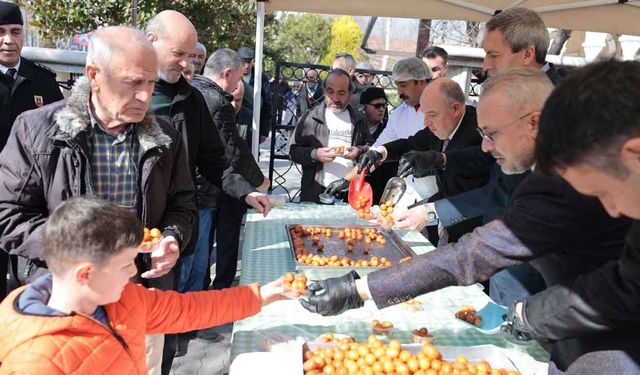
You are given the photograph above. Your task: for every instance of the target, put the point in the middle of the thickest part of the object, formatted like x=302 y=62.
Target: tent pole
x=257 y=85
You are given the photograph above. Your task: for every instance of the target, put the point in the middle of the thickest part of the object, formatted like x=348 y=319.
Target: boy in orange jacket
x=87 y=316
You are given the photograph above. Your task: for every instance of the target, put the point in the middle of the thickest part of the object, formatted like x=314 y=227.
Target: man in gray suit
x=564 y=235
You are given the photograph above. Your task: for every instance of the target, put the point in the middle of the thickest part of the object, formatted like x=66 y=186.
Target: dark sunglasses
x=378 y=106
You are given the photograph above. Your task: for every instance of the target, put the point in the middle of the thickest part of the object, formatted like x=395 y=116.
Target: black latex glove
x=337 y=187
x=333 y=296
x=368 y=160
x=420 y=163
x=514 y=326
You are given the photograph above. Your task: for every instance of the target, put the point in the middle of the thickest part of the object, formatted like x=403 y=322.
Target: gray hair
x=200 y=46
x=222 y=59
x=410 y=69
x=103 y=44
x=155 y=26
x=364 y=65
x=524 y=88
x=349 y=60
x=451 y=91
x=521 y=28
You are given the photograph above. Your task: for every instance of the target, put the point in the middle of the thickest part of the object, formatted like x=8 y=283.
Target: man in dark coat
x=449 y=125
x=311 y=93
x=24 y=85
x=569 y=237
x=248 y=80
x=324 y=129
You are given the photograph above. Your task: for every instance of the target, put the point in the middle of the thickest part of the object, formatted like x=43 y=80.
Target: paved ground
x=212 y=358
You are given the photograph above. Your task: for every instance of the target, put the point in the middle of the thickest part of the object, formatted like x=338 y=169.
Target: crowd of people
x=533 y=191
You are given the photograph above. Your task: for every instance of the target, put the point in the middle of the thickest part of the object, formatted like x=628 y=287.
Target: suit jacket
x=34 y=87
x=578 y=248
x=451 y=180
x=489 y=202
x=305 y=102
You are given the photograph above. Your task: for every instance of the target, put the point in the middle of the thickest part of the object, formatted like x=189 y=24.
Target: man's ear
x=91 y=71
x=533 y=124
x=529 y=55
x=152 y=37
x=83 y=272
x=630 y=154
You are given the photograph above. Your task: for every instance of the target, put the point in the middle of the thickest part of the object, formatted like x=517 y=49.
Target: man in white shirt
x=323 y=131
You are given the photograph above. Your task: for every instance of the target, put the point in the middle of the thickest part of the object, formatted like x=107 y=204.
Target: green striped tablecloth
x=266 y=256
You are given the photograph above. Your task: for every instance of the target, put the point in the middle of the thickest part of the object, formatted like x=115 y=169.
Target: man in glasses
x=311 y=92
x=566 y=235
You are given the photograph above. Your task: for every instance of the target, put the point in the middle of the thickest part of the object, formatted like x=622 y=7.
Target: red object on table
x=360 y=188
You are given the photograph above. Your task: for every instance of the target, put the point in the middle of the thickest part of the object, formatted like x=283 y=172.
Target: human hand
x=515 y=323
x=273 y=291
x=336 y=187
x=352 y=152
x=259 y=201
x=163 y=258
x=420 y=163
x=412 y=219
x=333 y=296
x=325 y=154
x=368 y=160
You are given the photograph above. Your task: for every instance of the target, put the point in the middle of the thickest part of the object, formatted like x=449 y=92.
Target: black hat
x=10 y=14
x=246 y=53
x=372 y=93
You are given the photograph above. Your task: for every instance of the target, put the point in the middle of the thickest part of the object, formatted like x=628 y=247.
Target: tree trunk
x=424 y=33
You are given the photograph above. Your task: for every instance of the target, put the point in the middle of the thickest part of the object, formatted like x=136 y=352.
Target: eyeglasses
x=378 y=106
x=490 y=136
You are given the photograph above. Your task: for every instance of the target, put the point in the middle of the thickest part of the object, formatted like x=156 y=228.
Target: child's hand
x=272 y=291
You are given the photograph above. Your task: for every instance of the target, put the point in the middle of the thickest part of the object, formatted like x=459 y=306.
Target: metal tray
x=394 y=249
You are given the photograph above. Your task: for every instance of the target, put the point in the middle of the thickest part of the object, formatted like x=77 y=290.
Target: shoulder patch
x=44 y=68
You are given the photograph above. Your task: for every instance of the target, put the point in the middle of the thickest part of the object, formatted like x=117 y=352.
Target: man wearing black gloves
x=565 y=235
x=449 y=125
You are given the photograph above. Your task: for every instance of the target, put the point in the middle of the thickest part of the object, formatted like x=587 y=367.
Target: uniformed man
x=24 y=85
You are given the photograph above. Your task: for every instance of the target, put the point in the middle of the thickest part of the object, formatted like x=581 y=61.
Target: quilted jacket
x=79 y=344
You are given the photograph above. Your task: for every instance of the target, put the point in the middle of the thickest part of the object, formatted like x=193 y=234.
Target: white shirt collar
x=458 y=126
x=3 y=69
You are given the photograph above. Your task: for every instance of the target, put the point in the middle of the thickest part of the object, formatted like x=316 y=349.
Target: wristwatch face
x=431 y=216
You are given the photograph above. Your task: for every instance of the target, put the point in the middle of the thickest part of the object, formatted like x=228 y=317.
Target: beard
x=166 y=75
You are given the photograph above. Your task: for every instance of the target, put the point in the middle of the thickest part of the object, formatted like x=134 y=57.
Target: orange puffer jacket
x=79 y=344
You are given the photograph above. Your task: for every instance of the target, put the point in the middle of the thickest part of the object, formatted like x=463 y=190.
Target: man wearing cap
x=248 y=79
x=322 y=131
x=24 y=85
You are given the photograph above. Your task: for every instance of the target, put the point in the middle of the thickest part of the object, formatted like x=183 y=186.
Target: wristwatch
x=432 y=217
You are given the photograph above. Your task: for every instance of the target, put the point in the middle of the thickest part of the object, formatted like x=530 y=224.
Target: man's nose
x=487 y=145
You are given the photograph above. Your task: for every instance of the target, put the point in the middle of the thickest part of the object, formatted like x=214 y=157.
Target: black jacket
x=311 y=133
x=34 y=87
x=576 y=246
x=305 y=102
x=266 y=95
x=244 y=120
x=52 y=140
x=450 y=180
x=236 y=151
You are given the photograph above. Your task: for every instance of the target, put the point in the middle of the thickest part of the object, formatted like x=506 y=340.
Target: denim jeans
x=195 y=266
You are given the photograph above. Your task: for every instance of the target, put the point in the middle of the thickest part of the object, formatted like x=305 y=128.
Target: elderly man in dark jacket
x=103 y=142
x=324 y=129
x=568 y=237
